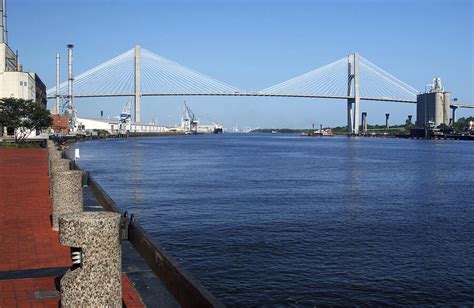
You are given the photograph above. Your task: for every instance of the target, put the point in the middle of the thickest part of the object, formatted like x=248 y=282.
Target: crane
x=189 y=122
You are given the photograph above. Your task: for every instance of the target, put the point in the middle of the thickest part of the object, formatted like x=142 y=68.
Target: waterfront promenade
x=31 y=257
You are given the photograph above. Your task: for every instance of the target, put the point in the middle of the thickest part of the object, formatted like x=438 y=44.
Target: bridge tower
x=137 y=106
x=353 y=103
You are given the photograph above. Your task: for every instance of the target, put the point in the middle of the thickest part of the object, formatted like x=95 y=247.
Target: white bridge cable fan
x=159 y=76
x=329 y=80
x=115 y=76
x=374 y=82
x=332 y=81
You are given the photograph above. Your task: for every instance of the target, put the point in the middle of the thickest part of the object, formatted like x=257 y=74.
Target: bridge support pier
x=364 y=122
x=350 y=102
x=453 y=120
x=353 y=104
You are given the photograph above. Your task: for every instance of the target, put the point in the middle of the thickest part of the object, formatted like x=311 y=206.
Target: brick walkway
x=42 y=292
x=26 y=238
x=27 y=241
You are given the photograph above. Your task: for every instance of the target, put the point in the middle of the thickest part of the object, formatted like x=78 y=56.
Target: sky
x=252 y=45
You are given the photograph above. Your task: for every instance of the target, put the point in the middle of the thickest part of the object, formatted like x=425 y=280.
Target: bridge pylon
x=353 y=103
x=137 y=106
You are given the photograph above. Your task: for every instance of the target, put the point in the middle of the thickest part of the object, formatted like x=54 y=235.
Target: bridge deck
x=383 y=99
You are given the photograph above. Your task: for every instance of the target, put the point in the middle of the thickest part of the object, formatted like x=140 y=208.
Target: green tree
x=462 y=124
x=25 y=116
x=444 y=128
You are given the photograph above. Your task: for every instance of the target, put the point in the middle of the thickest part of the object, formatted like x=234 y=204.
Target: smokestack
x=2 y=28
x=4 y=36
x=58 y=61
x=69 y=69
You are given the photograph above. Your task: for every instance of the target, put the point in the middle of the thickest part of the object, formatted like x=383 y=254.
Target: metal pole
x=356 y=94
x=58 y=61
x=349 y=91
x=137 y=84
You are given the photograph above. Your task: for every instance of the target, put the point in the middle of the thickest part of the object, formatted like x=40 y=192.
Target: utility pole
x=137 y=84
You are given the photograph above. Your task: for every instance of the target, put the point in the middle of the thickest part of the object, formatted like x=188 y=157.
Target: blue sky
x=253 y=45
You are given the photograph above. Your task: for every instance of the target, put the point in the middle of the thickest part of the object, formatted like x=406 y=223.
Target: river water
x=282 y=220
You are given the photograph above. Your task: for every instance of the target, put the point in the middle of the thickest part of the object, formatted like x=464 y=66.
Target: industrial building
x=13 y=81
x=113 y=126
x=433 y=106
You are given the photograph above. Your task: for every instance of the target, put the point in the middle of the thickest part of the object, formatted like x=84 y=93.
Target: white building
x=148 y=128
x=16 y=83
x=112 y=126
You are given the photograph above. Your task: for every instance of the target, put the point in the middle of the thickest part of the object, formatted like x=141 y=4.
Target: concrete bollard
x=57 y=165
x=67 y=194
x=95 y=280
x=53 y=154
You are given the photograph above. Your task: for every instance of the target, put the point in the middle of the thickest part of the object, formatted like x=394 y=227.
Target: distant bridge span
x=383 y=99
x=139 y=72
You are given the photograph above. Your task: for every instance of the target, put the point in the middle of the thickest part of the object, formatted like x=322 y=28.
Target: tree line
x=24 y=117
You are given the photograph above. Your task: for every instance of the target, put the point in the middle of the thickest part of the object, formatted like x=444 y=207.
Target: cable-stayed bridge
x=140 y=72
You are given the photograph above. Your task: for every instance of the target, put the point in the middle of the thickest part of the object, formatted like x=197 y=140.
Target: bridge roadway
x=383 y=99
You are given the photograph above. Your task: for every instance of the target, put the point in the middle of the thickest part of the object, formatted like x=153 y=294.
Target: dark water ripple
x=291 y=221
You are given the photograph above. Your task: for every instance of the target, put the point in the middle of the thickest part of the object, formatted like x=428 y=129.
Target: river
x=283 y=220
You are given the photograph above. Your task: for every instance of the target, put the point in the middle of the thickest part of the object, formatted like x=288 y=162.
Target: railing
x=185 y=289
